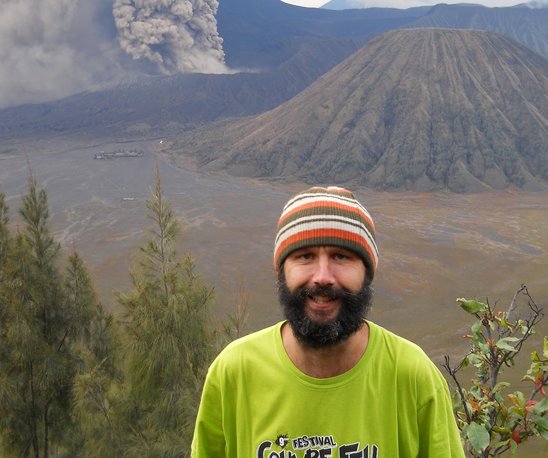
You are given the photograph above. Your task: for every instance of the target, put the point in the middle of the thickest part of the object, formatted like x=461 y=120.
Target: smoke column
x=33 y=50
x=53 y=48
x=178 y=35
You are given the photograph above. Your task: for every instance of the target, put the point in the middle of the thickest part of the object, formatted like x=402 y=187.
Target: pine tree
x=169 y=342
x=45 y=324
x=99 y=376
x=36 y=367
x=4 y=250
x=83 y=310
x=4 y=233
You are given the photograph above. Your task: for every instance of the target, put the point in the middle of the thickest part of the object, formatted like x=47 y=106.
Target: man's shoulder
x=396 y=350
x=383 y=336
x=259 y=337
x=252 y=347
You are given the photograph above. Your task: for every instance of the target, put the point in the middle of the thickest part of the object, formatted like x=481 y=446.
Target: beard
x=353 y=311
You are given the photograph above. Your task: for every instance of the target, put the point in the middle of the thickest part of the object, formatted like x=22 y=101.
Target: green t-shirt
x=257 y=404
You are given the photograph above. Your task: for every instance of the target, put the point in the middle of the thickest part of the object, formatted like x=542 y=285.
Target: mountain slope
x=525 y=23
x=255 y=32
x=413 y=109
x=162 y=105
x=280 y=47
x=528 y=26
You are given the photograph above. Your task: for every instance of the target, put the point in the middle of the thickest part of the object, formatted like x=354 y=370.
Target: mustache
x=327 y=290
x=353 y=301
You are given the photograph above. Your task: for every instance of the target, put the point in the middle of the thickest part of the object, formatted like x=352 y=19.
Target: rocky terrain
x=418 y=109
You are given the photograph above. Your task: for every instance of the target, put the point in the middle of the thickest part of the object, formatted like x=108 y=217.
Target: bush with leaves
x=492 y=422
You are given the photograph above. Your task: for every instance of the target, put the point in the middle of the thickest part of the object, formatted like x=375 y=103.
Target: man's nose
x=323 y=274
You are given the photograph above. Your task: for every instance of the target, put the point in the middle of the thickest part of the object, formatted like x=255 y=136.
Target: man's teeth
x=322 y=299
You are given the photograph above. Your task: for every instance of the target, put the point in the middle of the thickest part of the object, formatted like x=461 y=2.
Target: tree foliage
x=4 y=233
x=493 y=421
x=169 y=344
x=75 y=381
x=97 y=343
x=46 y=321
x=147 y=406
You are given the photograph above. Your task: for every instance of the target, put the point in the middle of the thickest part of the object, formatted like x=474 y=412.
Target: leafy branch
x=491 y=422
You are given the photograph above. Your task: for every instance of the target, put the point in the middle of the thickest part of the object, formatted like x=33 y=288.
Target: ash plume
x=178 y=35
x=39 y=60
x=51 y=49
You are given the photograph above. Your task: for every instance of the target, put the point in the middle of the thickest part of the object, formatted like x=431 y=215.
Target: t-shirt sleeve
x=209 y=439
x=439 y=435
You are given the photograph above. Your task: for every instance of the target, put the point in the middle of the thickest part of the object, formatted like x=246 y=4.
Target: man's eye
x=302 y=255
x=340 y=256
x=344 y=256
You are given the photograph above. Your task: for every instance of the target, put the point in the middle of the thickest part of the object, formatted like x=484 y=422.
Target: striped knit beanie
x=326 y=216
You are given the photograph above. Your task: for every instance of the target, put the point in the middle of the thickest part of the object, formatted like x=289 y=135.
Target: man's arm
x=209 y=439
x=439 y=435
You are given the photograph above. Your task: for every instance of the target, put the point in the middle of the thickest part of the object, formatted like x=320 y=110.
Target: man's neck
x=328 y=361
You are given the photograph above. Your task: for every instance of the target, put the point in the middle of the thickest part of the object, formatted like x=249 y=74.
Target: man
x=325 y=383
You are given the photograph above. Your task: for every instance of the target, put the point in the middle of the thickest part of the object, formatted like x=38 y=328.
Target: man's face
x=323 y=295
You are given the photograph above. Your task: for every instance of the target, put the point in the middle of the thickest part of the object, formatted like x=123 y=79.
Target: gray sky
x=408 y=3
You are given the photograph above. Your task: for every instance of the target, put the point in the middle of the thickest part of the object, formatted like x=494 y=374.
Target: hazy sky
x=408 y=3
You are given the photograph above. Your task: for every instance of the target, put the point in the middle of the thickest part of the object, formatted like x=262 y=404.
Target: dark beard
x=353 y=311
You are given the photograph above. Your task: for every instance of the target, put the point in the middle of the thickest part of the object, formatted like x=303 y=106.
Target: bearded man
x=325 y=382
